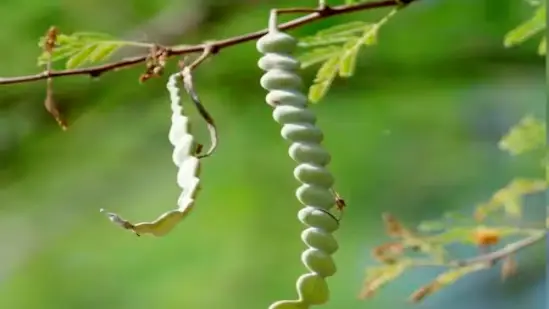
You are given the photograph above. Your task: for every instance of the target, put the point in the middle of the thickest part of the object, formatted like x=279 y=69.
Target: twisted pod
x=315 y=193
x=184 y=157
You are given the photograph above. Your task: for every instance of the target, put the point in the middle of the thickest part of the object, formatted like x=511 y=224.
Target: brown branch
x=495 y=256
x=208 y=51
x=491 y=258
x=320 y=13
x=460 y=268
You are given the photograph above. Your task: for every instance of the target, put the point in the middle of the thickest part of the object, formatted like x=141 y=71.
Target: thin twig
x=495 y=256
x=297 y=10
x=481 y=262
x=208 y=51
x=491 y=258
x=216 y=46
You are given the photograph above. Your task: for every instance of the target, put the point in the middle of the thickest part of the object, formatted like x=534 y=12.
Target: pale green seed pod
x=298 y=126
x=187 y=176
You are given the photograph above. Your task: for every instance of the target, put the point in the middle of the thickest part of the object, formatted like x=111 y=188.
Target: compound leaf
x=348 y=59
x=80 y=56
x=323 y=79
x=81 y=48
x=337 y=49
x=318 y=55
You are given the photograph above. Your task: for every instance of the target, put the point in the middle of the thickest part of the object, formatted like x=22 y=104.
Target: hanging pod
x=284 y=84
x=187 y=161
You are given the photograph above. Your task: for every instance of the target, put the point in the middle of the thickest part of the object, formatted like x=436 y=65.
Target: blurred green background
x=414 y=132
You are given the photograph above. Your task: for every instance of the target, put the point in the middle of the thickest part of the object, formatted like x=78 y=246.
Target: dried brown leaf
x=393 y=227
x=388 y=253
x=51 y=38
x=424 y=291
x=53 y=109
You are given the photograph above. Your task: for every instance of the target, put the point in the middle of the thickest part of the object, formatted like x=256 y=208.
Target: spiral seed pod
x=298 y=126
x=184 y=157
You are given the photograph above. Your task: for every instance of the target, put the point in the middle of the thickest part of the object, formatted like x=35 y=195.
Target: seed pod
x=298 y=127
x=184 y=157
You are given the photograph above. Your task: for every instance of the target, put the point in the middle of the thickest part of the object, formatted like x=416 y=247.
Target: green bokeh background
x=414 y=133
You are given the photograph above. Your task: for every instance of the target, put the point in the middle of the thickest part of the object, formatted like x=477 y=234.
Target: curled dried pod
x=184 y=157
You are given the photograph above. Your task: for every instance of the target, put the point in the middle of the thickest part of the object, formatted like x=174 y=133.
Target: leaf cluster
x=336 y=49
x=427 y=245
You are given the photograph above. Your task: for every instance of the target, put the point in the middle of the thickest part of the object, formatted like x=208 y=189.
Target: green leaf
x=338 y=34
x=513 y=207
x=103 y=52
x=323 y=41
x=318 y=55
x=527 y=29
x=336 y=59
x=324 y=79
x=369 y=37
x=453 y=235
x=59 y=53
x=348 y=59
x=509 y=197
x=431 y=226
x=349 y=28
x=64 y=39
x=82 y=48
x=456 y=217
x=341 y=53
x=80 y=57
x=529 y=134
x=542 y=48
x=91 y=36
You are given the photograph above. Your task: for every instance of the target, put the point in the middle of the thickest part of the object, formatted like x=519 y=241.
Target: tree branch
x=490 y=258
x=493 y=257
x=214 y=46
x=481 y=262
